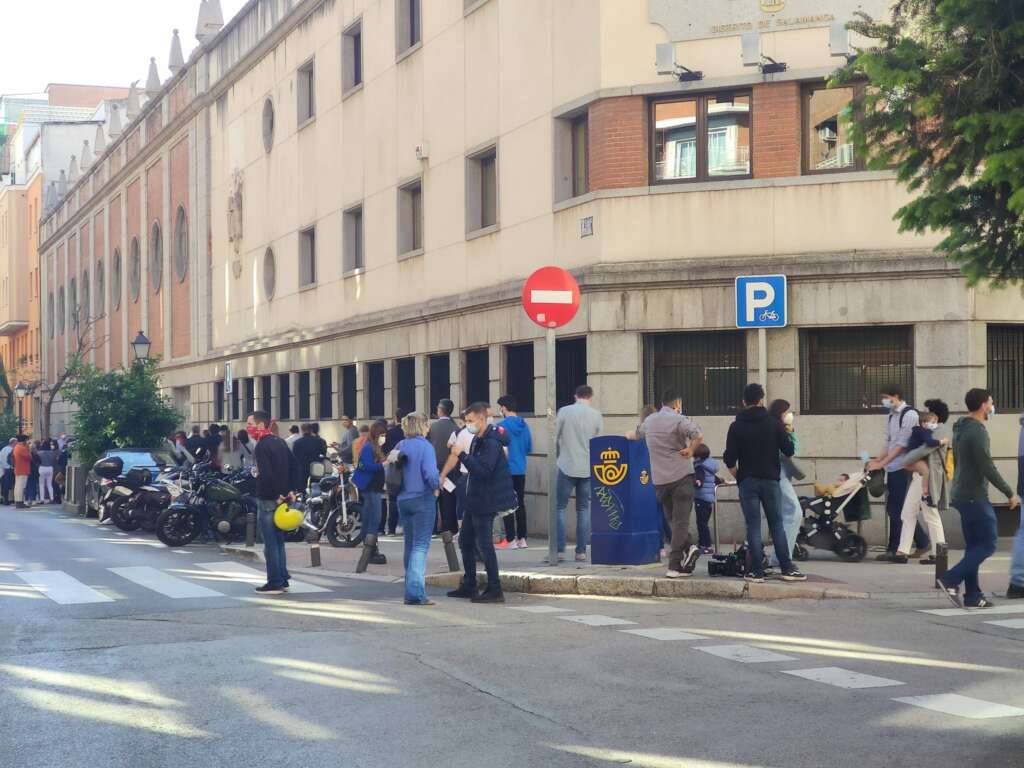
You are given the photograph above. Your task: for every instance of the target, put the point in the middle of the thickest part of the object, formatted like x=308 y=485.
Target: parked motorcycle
x=332 y=506
x=119 y=491
x=215 y=504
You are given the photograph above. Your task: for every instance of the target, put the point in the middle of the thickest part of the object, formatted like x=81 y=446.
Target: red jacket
x=22 y=460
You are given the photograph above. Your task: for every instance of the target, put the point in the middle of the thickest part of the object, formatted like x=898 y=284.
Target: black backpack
x=903 y=414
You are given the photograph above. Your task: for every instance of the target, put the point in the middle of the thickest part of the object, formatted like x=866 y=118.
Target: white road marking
x=550 y=297
x=541 y=609
x=1011 y=623
x=244 y=573
x=962 y=706
x=164 y=583
x=842 y=678
x=181 y=551
x=972 y=612
x=62 y=588
x=120 y=533
x=596 y=620
x=746 y=654
x=663 y=633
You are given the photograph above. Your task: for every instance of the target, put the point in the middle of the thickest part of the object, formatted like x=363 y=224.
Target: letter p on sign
x=761 y=301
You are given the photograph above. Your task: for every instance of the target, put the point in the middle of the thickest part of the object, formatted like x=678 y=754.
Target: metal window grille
x=325 y=394
x=284 y=395
x=707 y=369
x=570 y=369
x=218 y=401
x=519 y=375
x=348 y=391
x=843 y=370
x=303 y=409
x=478 y=376
x=405 y=384
x=375 y=389
x=265 y=393
x=236 y=401
x=1006 y=365
x=250 y=396
x=440 y=378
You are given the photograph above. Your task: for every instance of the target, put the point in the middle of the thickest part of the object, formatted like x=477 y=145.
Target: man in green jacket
x=973 y=472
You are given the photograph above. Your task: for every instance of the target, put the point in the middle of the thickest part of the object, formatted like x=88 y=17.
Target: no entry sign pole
x=551 y=298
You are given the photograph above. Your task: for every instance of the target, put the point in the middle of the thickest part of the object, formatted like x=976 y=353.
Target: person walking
x=369 y=479
x=47 y=460
x=489 y=491
x=7 y=466
x=293 y=435
x=575 y=426
x=22 y=456
x=791 y=510
x=417 y=504
x=520 y=444
x=671 y=439
x=349 y=434
x=752 y=448
x=928 y=493
x=439 y=435
x=899 y=427
x=277 y=473
x=1016 y=589
x=972 y=473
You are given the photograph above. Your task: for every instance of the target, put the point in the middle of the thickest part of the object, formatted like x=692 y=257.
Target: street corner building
x=330 y=208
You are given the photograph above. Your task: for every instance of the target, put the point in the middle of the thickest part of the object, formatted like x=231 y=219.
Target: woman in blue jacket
x=417 y=504
x=369 y=479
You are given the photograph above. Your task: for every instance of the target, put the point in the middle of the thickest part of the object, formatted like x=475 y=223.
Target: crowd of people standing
x=33 y=471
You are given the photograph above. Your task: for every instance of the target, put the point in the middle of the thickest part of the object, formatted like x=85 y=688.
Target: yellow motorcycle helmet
x=288 y=518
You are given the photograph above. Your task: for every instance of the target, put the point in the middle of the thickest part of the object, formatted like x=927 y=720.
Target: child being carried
x=922 y=435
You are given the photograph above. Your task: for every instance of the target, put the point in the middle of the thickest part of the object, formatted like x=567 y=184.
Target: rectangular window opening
x=353 y=257
x=303 y=395
x=408 y=20
x=519 y=376
x=570 y=369
x=580 y=163
x=307 y=257
x=708 y=370
x=701 y=137
x=375 y=390
x=306 y=91
x=325 y=393
x=352 y=56
x=477 y=376
x=1006 y=366
x=410 y=217
x=266 y=394
x=218 y=401
x=405 y=384
x=827 y=144
x=349 y=390
x=440 y=375
x=284 y=396
x=482 y=190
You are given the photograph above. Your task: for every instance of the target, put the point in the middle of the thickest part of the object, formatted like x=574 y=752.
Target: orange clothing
x=357 y=448
x=22 y=460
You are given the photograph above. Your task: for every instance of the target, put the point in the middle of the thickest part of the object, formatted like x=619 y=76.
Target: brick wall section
x=618 y=138
x=776 y=117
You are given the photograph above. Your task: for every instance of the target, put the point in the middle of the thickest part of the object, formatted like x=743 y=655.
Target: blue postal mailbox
x=625 y=527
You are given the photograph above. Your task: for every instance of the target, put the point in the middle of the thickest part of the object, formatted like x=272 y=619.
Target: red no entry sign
x=551 y=297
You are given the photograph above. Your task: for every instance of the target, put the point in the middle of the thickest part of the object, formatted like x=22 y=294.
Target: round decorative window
x=156 y=257
x=268 y=125
x=49 y=315
x=115 y=281
x=134 y=271
x=61 y=310
x=269 y=273
x=101 y=298
x=86 y=298
x=181 y=244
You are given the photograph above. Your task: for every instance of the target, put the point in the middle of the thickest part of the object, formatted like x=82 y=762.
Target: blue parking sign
x=761 y=301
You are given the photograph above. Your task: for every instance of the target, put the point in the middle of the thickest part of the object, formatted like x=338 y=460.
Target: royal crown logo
x=772 y=6
x=609 y=471
x=644 y=477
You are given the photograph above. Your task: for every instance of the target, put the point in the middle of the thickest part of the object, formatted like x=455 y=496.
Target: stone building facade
x=341 y=199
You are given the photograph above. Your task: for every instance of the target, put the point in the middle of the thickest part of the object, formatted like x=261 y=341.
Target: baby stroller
x=822 y=527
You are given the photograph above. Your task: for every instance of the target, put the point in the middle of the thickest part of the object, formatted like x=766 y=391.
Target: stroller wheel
x=852 y=548
x=801 y=553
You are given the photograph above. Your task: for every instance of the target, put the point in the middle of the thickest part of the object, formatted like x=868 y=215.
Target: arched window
x=134 y=271
x=115 y=281
x=100 y=296
x=156 y=257
x=269 y=273
x=181 y=244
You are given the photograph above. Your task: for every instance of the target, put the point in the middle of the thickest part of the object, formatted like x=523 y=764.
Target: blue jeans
x=417 y=515
x=371 y=511
x=581 y=485
x=1017 y=561
x=978 y=520
x=792 y=515
x=273 y=545
x=756 y=492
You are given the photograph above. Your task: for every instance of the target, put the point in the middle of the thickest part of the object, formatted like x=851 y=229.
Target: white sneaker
x=521 y=544
x=671 y=574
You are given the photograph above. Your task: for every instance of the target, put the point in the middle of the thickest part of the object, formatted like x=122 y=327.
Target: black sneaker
x=464 y=592
x=690 y=561
x=899 y=557
x=266 y=589
x=793 y=575
x=754 y=578
x=488 y=596
x=983 y=602
x=952 y=593
x=1014 y=591
x=420 y=602
x=378 y=558
x=885 y=557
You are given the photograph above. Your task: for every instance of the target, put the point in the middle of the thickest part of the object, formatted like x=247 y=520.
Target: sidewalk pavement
x=524 y=570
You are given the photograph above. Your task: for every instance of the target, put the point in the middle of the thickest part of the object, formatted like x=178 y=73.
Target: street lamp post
x=140 y=348
x=20 y=390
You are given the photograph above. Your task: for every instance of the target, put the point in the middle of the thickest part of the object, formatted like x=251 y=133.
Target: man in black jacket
x=307 y=449
x=441 y=431
x=277 y=474
x=754 y=442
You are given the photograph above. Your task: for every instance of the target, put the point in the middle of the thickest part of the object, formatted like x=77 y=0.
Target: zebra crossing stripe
x=842 y=678
x=962 y=706
x=164 y=583
x=62 y=588
x=745 y=654
x=244 y=573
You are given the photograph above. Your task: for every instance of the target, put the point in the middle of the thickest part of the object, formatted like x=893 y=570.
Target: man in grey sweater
x=1016 y=588
x=575 y=425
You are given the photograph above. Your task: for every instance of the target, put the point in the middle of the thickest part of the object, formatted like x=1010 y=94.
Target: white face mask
x=887 y=403
x=992 y=411
x=473 y=429
x=931 y=426
x=382 y=439
x=788 y=419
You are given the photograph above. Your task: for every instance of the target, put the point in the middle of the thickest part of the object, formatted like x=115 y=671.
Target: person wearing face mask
x=973 y=472
x=926 y=461
x=277 y=477
x=671 y=439
x=792 y=511
x=369 y=479
x=892 y=457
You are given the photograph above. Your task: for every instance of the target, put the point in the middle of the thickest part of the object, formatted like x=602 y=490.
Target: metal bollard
x=450 y=552
x=941 y=560
x=250 y=529
x=369 y=544
x=314 y=554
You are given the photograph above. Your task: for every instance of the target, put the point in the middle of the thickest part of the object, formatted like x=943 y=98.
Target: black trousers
x=477 y=532
x=515 y=525
x=7 y=485
x=447 y=508
x=388 y=515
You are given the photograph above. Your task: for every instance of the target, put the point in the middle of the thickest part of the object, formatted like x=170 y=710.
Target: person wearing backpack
x=892 y=458
x=927 y=496
x=489 y=491
x=417 y=501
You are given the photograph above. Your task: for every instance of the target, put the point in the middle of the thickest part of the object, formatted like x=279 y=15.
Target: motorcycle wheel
x=176 y=527
x=346 y=536
x=852 y=548
x=119 y=516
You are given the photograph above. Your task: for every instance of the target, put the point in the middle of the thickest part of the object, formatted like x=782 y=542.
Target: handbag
x=394 y=475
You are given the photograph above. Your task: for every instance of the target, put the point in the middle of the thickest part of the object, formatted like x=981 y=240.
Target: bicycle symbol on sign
x=769 y=316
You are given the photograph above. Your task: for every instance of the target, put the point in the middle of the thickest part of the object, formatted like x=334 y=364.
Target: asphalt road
x=116 y=651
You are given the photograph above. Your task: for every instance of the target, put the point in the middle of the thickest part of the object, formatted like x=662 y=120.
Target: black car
x=155 y=460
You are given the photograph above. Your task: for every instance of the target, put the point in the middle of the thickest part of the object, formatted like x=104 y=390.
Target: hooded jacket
x=489 y=488
x=520 y=443
x=973 y=466
x=755 y=441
